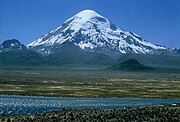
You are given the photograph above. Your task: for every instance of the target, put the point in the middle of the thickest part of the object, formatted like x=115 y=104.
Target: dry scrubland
x=153 y=114
x=89 y=83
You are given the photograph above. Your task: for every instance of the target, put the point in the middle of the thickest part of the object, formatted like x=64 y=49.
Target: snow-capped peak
x=89 y=30
x=87 y=14
x=85 y=20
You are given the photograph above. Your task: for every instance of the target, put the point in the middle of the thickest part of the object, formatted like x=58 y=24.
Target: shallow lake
x=12 y=104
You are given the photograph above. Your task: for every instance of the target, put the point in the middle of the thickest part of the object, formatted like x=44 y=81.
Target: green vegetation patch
x=89 y=83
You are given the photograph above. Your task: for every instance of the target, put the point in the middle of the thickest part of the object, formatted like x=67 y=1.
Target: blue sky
x=155 y=20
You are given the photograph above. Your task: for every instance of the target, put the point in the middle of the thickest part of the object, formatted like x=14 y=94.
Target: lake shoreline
x=84 y=97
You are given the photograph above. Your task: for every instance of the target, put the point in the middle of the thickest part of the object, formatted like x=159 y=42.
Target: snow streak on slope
x=90 y=31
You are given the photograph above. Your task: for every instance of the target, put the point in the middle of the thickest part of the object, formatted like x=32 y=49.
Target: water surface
x=14 y=104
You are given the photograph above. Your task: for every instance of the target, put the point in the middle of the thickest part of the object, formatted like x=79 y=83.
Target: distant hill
x=12 y=44
x=171 y=61
x=130 y=65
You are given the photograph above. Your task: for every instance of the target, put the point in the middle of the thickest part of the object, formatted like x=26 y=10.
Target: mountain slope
x=21 y=57
x=92 y=32
x=78 y=57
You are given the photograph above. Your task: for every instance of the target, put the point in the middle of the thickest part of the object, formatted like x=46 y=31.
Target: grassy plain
x=88 y=82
